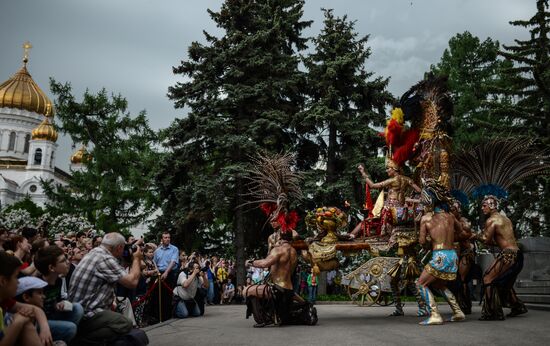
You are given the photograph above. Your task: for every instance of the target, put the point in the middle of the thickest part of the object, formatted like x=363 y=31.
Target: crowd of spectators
x=84 y=289
x=61 y=291
x=81 y=289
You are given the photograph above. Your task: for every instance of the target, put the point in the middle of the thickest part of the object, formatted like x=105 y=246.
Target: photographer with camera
x=93 y=286
x=187 y=293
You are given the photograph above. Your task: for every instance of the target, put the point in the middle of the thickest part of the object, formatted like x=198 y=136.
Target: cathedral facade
x=27 y=141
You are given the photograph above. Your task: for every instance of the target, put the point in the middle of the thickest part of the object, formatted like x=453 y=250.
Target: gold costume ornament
x=392 y=164
x=329 y=221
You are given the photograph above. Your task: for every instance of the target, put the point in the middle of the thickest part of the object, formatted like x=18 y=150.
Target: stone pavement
x=352 y=325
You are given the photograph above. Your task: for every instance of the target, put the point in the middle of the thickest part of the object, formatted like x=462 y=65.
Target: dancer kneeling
x=275 y=302
x=440 y=226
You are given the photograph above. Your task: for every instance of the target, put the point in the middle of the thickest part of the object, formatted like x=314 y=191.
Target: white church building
x=28 y=140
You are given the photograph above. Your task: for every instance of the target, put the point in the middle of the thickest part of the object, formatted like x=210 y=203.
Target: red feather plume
x=394 y=132
x=288 y=221
x=405 y=150
x=268 y=208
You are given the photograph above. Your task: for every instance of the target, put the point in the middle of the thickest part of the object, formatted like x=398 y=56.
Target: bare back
x=441 y=228
x=281 y=271
x=465 y=235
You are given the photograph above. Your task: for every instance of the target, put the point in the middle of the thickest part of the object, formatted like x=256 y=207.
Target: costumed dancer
x=393 y=212
x=397 y=185
x=499 y=279
x=440 y=226
x=278 y=290
x=273 y=183
x=466 y=258
x=489 y=170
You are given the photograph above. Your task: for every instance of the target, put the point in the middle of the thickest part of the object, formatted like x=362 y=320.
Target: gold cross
x=26 y=47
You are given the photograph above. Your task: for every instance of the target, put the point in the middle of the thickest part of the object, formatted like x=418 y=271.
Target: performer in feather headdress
x=273 y=184
x=441 y=226
x=490 y=169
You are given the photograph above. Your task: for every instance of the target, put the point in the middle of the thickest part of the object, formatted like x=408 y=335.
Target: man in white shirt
x=186 y=289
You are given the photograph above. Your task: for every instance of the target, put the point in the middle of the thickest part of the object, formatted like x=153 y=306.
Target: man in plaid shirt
x=93 y=285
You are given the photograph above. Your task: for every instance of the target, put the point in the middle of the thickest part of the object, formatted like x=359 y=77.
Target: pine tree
x=243 y=91
x=473 y=68
x=528 y=76
x=115 y=190
x=345 y=104
x=528 y=83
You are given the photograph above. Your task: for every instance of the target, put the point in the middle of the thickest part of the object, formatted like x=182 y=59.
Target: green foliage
x=25 y=204
x=495 y=97
x=243 y=91
x=114 y=191
x=333 y=297
x=527 y=77
x=472 y=68
x=345 y=103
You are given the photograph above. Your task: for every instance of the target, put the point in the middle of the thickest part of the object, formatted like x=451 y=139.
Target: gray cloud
x=130 y=46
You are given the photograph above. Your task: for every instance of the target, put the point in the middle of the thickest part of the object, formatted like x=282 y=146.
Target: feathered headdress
x=492 y=167
x=399 y=139
x=436 y=195
x=274 y=185
x=427 y=106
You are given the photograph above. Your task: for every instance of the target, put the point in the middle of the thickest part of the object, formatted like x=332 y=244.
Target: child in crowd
x=312 y=282
x=63 y=316
x=16 y=319
x=229 y=292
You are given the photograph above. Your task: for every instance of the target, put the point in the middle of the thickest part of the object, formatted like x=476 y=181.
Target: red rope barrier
x=167 y=286
x=147 y=294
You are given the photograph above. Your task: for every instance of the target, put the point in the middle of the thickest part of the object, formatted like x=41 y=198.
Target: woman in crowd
x=149 y=275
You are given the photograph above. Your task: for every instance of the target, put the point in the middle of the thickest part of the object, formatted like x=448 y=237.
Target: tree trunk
x=238 y=223
x=331 y=154
x=332 y=174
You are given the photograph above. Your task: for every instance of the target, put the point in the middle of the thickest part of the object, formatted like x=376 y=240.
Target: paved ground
x=351 y=325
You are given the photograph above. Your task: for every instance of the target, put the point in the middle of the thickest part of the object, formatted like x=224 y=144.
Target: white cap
x=29 y=283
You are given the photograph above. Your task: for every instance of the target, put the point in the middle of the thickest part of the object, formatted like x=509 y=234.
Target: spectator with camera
x=93 y=286
x=187 y=300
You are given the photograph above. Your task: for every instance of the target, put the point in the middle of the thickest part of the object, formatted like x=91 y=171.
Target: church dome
x=80 y=155
x=45 y=131
x=20 y=91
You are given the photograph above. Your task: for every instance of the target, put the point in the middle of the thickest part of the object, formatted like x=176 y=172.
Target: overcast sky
x=130 y=46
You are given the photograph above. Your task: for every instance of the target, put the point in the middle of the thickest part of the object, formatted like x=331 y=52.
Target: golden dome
x=45 y=131
x=20 y=91
x=80 y=155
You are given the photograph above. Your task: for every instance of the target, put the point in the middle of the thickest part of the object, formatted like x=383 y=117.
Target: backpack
x=136 y=337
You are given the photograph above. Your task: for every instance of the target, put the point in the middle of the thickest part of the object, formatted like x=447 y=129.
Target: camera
x=204 y=269
x=129 y=249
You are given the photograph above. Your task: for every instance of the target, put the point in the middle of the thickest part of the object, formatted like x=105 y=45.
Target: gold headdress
x=392 y=164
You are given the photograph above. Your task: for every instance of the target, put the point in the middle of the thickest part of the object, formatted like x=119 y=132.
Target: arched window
x=11 y=145
x=38 y=156
x=27 y=143
x=51 y=160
